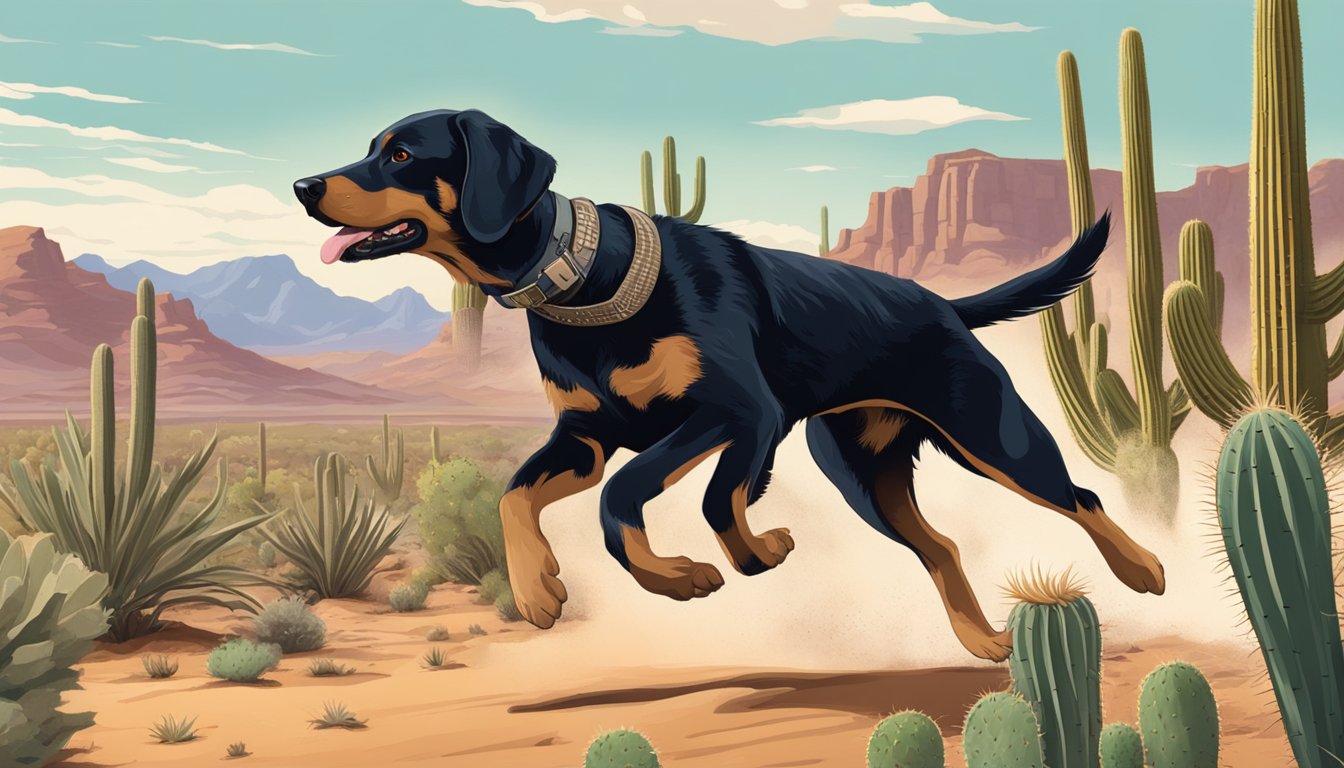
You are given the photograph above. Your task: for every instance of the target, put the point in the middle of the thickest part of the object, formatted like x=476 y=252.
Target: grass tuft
x=237 y=749
x=437 y=634
x=436 y=658
x=328 y=668
x=337 y=715
x=158 y=665
x=170 y=730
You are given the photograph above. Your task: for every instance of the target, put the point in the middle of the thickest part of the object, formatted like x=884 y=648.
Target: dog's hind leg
x=980 y=416
x=738 y=481
x=570 y=462
x=640 y=481
x=869 y=456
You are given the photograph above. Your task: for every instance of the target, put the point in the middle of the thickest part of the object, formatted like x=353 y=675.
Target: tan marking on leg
x=1136 y=567
x=686 y=468
x=938 y=553
x=742 y=546
x=576 y=399
x=880 y=427
x=673 y=366
x=679 y=578
x=532 y=565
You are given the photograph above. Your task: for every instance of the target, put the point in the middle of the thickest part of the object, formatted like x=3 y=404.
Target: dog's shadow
x=943 y=694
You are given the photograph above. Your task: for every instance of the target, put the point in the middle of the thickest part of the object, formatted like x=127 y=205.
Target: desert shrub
x=506 y=607
x=437 y=634
x=49 y=615
x=459 y=522
x=266 y=554
x=328 y=668
x=290 y=624
x=242 y=661
x=493 y=585
x=337 y=715
x=237 y=749
x=428 y=574
x=158 y=665
x=436 y=658
x=408 y=597
x=337 y=547
x=170 y=730
x=476 y=629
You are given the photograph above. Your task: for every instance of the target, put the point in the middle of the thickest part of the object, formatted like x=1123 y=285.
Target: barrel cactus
x=1001 y=732
x=621 y=749
x=1179 y=718
x=1056 y=665
x=906 y=739
x=1121 y=747
x=50 y=612
x=1275 y=521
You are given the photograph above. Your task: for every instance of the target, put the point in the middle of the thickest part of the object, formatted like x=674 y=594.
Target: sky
x=172 y=130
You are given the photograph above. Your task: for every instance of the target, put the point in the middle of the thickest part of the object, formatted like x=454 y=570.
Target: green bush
x=459 y=521
x=133 y=525
x=338 y=545
x=506 y=607
x=493 y=584
x=266 y=557
x=50 y=612
x=290 y=624
x=408 y=597
x=242 y=661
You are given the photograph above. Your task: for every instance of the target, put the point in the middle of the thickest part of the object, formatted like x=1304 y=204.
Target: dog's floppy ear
x=505 y=175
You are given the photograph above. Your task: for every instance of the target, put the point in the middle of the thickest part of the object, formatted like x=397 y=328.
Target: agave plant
x=336 y=547
x=134 y=526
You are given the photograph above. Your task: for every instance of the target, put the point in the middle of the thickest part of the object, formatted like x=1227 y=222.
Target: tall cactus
x=1179 y=718
x=671 y=184
x=390 y=475
x=1290 y=303
x=825 y=246
x=1056 y=665
x=468 y=320
x=1275 y=521
x=1129 y=435
x=261 y=454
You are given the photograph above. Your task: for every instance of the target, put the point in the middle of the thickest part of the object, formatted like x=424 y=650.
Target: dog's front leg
x=570 y=462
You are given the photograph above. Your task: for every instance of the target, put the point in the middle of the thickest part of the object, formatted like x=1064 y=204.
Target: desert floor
x=504 y=704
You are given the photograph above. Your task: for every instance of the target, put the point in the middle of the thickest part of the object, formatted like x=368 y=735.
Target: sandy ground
x=519 y=703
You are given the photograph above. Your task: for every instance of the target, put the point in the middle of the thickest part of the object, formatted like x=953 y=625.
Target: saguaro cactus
x=1275 y=521
x=1056 y=665
x=671 y=184
x=434 y=454
x=825 y=246
x=261 y=454
x=1179 y=718
x=1290 y=303
x=468 y=322
x=1129 y=435
x=389 y=477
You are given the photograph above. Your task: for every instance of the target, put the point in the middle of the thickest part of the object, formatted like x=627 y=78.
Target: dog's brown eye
x=400 y=155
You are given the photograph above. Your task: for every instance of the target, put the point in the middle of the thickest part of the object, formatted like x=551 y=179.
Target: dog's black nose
x=309 y=191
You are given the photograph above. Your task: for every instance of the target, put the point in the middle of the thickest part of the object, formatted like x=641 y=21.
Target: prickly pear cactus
x=1001 y=732
x=906 y=739
x=621 y=749
x=1121 y=747
x=1179 y=718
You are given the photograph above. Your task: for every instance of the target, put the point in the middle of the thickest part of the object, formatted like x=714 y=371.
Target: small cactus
x=825 y=246
x=1001 y=732
x=906 y=739
x=434 y=454
x=1179 y=718
x=1121 y=747
x=261 y=454
x=621 y=749
x=389 y=477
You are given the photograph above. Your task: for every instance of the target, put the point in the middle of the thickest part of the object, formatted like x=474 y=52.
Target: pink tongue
x=337 y=243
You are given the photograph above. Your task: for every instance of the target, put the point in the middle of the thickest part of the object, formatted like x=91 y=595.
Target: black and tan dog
x=679 y=341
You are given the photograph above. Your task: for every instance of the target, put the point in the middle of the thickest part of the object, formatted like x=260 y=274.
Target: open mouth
x=355 y=244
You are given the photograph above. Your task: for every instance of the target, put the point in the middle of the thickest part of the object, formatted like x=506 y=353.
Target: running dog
x=679 y=342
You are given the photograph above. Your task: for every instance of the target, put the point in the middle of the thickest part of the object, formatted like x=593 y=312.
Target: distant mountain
x=265 y=304
x=53 y=314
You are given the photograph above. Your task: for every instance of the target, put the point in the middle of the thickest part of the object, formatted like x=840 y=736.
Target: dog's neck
x=514 y=258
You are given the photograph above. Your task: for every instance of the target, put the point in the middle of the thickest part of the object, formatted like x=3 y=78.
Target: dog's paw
x=539 y=598
x=680 y=578
x=996 y=647
x=763 y=552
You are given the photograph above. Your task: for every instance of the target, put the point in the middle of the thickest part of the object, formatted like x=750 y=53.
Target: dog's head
x=435 y=183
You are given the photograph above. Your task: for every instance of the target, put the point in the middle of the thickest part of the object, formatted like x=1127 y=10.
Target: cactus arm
x=1206 y=371
x=1334 y=365
x=1326 y=296
x=103 y=438
x=1090 y=429
x=646 y=182
x=698 y=203
x=671 y=184
x=1116 y=402
x=1179 y=401
x=825 y=246
x=144 y=363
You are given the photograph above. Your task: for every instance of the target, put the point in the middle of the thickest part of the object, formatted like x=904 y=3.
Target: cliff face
x=978 y=218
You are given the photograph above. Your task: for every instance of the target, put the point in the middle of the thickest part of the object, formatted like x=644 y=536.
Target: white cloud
x=896 y=117
x=642 y=31
x=115 y=45
x=813 y=168
x=7 y=39
x=14 y=144
x=107 y=133
x=271 y=47
x=148 y=164
x=235 y=199
x=788 y=237
x=27 y=90
x=770 y=22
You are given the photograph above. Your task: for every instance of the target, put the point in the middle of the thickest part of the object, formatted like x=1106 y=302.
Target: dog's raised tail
x=1034 y=291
